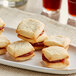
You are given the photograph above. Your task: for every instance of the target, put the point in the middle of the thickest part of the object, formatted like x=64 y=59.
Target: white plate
x=35 y=63
x=12 y=17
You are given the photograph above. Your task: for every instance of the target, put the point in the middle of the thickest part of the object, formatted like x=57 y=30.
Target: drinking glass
x=51 y=5
x=72 y=9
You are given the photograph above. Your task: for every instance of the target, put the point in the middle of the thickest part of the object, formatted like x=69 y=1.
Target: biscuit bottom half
x=58 y=64
x=24 y=57
x=2 y=51
x=40 y=38
x=1 y=31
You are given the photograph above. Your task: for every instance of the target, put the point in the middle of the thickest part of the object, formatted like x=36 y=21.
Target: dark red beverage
x=72 y=7
x=52 y=5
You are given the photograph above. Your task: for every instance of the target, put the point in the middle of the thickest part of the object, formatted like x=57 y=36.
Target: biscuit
x=30 y=28
x=53 y=53
x=57 y=41
x=55 y=57
x=20 y=49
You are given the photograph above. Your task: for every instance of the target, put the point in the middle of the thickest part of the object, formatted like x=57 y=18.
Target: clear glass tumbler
x=51 y=5
x=12 y=3
x=72 y=9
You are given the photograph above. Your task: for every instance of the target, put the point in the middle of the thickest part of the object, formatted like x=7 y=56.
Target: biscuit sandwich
x=61 y=41
x=4 y=42
x=2 y=24
x=32 y=30
x=55 y=57
x=20 y=50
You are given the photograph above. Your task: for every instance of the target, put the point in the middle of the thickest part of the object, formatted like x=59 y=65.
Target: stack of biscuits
x=33 y=37
x=3 y=40
x=55 y=55
x=32 y=30
x=32 y=33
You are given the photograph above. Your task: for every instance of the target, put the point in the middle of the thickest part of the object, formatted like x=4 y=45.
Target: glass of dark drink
x=72 y=8
x=51 y=5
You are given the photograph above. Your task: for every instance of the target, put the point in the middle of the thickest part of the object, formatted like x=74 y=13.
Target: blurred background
x=36 y=6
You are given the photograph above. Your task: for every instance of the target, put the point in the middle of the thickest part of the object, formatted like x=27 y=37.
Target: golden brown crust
x=24 y=58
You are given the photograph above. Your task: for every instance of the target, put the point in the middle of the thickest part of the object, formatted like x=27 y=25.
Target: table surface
x=34 y=6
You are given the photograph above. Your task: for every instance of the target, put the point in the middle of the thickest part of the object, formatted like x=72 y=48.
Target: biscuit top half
x=2 y=24
x=57 y=40
x=55 y=53
x=30 y=28
x=19 y=48
x=3 y=41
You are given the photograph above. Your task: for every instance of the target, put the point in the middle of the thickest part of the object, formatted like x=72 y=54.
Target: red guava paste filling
x=30 y=38
x=1 y=28
x=25 y=55
x=23 y=36
x=39 y=44
x=41 y=33
x=3 y=48
x=56 y=61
